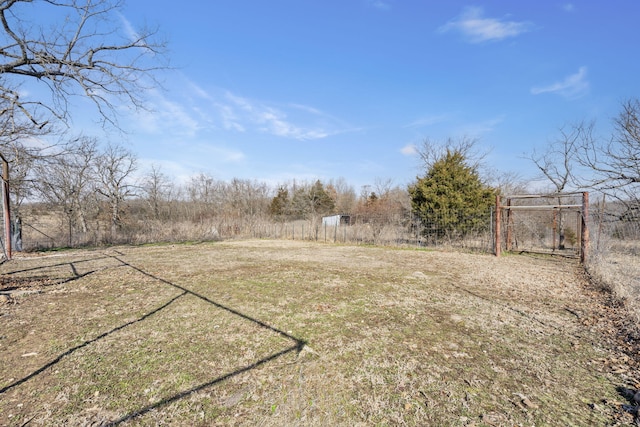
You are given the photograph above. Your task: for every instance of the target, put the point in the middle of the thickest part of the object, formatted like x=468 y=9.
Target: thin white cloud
x=241 y=114
x=223 y=155
x=198 y=91
x=187 y=157
x=166 y=115
x=176 y=171
x=477 y=29
x=239 y=101
x=409 y=150
x=569 y=7
x=275 y=122
x=429 y=120
x=201 y=109
x=484 y=126
x=573 y=86
x=381 y=5
x=230 y=120
x=131 y=33
x=368 y=165
x=308 y=109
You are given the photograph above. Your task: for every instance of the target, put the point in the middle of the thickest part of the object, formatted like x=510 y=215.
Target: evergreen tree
x=451 y=199
x=309 y=201
x=321 y=201
x=279 y=206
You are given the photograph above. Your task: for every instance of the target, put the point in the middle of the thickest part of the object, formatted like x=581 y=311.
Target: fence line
x=531 y=231
x=405 y=231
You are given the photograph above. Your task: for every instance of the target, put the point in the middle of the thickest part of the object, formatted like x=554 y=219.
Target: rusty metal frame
x=582 y=209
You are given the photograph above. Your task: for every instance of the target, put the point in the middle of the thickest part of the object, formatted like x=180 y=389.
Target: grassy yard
x=297 y=333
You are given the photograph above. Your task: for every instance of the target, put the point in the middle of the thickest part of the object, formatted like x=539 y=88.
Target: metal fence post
x=498 y=243
x=584 y=242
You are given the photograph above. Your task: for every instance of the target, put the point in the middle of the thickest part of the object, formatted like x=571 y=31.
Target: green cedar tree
x=451 y=199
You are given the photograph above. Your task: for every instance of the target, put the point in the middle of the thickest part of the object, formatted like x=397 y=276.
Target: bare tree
x=69 y=48
x=84 y=152
x=113 y=170
x=157 y=189
x=386 y=206
x=507 y=182
x=64 y=179
x=21 y=162
x=431 y=151
x=86 y=52
x=245 y=198
x=201 y=188
x=343 y=194
x=615 y=163
x=558 y=163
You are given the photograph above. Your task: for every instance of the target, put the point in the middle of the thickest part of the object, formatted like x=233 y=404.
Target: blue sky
x=283 y=89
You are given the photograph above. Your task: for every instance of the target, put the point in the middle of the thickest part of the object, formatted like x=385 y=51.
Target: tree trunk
x=115 y=214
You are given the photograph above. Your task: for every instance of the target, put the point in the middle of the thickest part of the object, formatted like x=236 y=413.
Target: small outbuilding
x=336 y=220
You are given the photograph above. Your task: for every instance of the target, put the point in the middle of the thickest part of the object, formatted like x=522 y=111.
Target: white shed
x=336 y=220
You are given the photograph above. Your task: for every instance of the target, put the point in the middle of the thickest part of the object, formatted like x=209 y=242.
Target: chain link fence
x=41 y=232
x=535 y=231
x=613 y=260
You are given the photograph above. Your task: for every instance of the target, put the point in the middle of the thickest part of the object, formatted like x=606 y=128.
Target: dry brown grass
x=296 y=333
x=615 y=264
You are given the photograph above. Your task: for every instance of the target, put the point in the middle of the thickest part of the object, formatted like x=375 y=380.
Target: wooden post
x=584 y=242
x=497 y=228
x=6 y=203
x=555 y=228
x=600 y=219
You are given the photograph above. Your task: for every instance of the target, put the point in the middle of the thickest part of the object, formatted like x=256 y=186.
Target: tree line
x=97 y=189
x=89 y=187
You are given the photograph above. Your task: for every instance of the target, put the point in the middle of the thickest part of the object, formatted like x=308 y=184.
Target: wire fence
x=40 y=232
x=533 y=231
x=550 y=231
x=373 y=234
x=612 y=261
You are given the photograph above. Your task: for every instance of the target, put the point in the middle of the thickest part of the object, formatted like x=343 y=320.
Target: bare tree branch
x=615 y=163
x=558 y=163
x=113 y=170
x=87 y=53
x=431 y=151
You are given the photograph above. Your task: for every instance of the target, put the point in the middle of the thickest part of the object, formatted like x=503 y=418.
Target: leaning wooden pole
x=584 y=242
x=497 y=227
x=6 y=206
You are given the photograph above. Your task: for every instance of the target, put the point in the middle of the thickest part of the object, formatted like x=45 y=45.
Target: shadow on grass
x=13 y=283
x=633 y=406
x=86 y=343
x=297 y=346
x=218 y=305
x=516 y=310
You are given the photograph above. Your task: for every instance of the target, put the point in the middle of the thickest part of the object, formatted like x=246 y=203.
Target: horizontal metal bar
x=543 y=207
x=539 y=196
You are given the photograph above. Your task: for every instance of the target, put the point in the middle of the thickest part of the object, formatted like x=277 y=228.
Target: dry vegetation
x=615 y=264
x=297 y=333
